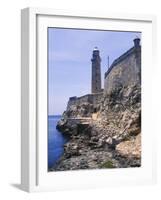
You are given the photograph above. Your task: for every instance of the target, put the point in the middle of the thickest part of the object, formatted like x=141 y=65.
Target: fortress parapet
x=93 y=99
x=125 y=70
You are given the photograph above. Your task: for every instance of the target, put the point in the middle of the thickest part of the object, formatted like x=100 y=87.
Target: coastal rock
x=131 y=148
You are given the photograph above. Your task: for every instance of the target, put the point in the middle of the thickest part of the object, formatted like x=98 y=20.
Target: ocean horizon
x=58 y=115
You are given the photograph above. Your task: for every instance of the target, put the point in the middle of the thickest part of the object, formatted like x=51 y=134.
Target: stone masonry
x=125 y=70
x=96 y=71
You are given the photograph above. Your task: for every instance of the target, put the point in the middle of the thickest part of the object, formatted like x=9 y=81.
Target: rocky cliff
x=110 y=139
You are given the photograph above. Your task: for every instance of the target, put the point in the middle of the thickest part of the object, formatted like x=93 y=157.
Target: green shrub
x=107 y=164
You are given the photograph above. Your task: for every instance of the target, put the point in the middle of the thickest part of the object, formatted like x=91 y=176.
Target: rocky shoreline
x=110 y=139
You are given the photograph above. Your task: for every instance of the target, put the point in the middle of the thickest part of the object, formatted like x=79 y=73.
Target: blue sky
x=69 y=61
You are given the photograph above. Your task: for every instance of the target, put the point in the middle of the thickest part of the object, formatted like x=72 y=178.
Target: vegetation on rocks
x=107 y=164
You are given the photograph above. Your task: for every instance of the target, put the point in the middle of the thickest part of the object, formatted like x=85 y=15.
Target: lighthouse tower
x=96 y=71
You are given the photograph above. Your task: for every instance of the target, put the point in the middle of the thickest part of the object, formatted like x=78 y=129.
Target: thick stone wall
x=126 y=70
x=96 y=99
x=93 y=99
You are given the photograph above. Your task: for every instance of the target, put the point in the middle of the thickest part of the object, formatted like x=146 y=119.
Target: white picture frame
x=34 y=175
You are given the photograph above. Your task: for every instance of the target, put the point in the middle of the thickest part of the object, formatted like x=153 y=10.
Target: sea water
x=56 y=141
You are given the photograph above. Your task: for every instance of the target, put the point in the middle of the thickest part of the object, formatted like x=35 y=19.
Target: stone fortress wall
x=126 y=70
x=93 y=99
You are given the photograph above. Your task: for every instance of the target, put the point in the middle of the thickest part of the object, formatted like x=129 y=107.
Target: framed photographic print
x=86 y=99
